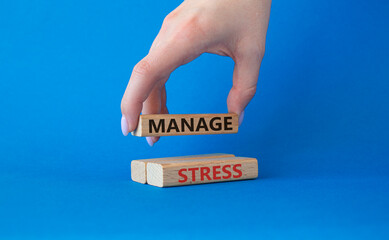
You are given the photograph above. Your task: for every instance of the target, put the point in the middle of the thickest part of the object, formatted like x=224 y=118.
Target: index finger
x=155 y=67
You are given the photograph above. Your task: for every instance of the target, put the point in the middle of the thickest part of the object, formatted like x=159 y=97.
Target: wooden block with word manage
x=186 y=124
x=139 y=167
x=197 y=171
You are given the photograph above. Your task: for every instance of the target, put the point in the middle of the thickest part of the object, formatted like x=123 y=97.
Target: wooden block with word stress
x=197 y=171
x=186 y=124
x=139 y=167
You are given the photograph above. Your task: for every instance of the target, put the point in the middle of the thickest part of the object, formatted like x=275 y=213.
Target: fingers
x=164 y=109
x=155 y=104
x=179 y=41
x=152 y=105
x=154 y=69
x=142 y=81
x=245 y=78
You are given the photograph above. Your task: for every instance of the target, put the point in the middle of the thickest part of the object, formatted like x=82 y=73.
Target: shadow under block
x=139 y=167
x=197 y=171
x=186 y=124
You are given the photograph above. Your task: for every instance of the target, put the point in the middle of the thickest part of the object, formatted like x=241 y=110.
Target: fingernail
x=241 y=116
x=150 y=141
x=124 y=126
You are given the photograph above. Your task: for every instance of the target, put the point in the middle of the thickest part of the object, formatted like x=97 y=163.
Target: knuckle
x=251 y=91
x=251 y=51
x=167 y=20
x=192 y=27
x=142 y=68
x=192 y=21
x=247 y=92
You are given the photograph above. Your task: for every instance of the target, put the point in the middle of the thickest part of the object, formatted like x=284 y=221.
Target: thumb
x=245 y=78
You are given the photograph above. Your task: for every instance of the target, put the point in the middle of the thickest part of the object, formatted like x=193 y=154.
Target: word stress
x=197 y=169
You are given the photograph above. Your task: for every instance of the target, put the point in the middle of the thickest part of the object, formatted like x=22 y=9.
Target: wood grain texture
x=198 y=171
x=186 y=124
x=139 y=167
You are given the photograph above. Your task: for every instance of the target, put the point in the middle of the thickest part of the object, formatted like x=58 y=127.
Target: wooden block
x=139 y=167
x=197 y=171
x=186 y=124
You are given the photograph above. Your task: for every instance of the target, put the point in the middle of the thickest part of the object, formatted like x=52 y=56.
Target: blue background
x=318 y=125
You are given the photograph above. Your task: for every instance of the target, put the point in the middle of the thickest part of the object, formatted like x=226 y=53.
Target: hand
x=234 y=28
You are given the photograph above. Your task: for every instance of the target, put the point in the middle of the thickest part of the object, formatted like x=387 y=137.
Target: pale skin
x=233 y=28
